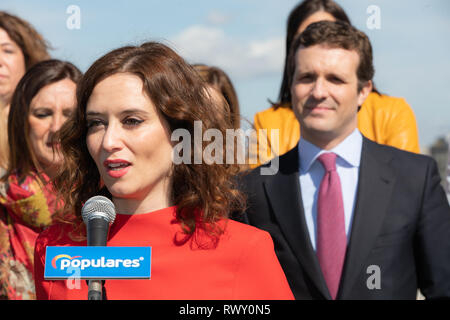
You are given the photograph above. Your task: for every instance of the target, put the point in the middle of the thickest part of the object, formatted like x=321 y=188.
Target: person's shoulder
x=243 y=233
x=380 y=101
x=273 y=112
x=398 y=154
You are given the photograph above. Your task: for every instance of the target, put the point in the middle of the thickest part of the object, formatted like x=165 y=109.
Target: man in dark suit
x=350 y=219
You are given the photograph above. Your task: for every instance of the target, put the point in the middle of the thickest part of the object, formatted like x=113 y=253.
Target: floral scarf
x=26 y=208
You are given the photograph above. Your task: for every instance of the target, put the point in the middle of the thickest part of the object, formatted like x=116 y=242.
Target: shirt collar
x=348 y=150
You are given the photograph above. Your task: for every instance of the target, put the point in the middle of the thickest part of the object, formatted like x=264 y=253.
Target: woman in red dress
x=120 y=144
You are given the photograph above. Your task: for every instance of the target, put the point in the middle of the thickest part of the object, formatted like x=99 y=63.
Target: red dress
x=243 y=265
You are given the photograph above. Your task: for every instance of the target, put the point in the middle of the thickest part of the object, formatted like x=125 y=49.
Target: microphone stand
x=97 y=236
x=95 y=291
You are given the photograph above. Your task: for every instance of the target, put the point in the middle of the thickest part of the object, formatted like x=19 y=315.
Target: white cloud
x=201 y=44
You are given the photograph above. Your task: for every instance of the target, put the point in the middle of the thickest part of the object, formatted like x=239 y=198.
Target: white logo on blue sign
x=98 y=262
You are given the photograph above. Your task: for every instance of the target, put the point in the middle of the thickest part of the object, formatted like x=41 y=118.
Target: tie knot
x=328 y=161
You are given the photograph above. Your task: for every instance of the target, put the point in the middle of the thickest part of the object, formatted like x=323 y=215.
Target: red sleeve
x=42 y=286
x=259 y=275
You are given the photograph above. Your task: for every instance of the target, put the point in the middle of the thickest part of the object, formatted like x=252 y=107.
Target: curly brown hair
x=203 y=193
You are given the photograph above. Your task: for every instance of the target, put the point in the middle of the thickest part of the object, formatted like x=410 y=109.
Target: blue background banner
x=97 y=263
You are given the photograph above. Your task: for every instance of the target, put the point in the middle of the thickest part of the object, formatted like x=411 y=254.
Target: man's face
x=325 y=95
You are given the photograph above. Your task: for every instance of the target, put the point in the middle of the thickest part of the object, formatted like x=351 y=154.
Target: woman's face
x=49 y=109
x=12 y=66
x=129 y=142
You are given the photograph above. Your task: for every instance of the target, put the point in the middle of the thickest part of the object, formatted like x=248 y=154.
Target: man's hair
x=298 y=15
x=336 y=35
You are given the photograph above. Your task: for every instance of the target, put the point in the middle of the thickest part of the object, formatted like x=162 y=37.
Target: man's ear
x=364 y=92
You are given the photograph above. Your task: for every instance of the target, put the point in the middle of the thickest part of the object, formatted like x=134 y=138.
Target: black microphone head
x=98 y=207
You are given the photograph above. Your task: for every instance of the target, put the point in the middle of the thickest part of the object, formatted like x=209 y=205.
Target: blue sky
x=246 y=39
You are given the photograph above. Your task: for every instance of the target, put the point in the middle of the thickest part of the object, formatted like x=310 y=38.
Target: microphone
x=98 y=214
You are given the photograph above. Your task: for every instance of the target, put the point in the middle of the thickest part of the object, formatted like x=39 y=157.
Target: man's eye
x=336 y=80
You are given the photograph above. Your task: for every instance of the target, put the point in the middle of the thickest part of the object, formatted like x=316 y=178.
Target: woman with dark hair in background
x=43 y=100
x=381 y=118
x=119 y=145
x=21 y=47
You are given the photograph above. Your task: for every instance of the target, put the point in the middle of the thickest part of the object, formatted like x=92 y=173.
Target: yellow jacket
x=383 y=119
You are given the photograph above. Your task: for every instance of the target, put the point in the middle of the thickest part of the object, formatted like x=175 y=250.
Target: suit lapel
x=376 y=181
x=283 y=191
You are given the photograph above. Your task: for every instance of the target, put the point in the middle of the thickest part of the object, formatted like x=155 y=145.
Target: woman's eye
x=67 y=114
x=9 y=50
x=42 y=115
x=132 y=121
x=304 y=79
x=93 y=123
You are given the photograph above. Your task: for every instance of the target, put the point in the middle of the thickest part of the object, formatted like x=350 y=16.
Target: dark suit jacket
x=401 y=225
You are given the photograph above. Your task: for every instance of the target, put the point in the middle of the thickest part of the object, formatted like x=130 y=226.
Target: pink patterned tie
x=331 y=238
